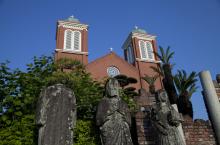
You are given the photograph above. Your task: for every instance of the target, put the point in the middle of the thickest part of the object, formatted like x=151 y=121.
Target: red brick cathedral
x=139 y=53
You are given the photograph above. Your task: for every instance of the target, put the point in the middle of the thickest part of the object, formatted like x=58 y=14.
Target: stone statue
x=56 y=115
x=113 y=117
x=165 y=120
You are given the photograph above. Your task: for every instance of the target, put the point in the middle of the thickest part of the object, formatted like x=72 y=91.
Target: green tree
x=127 y=92
x=186 y=86
x=150 y=81
x=166 y=71
x=20 y=90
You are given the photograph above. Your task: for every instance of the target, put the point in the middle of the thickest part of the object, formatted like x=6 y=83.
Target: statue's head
x=162 y=96
x=112 y=88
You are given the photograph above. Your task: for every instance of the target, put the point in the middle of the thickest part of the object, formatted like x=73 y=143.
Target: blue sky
x=190 y=27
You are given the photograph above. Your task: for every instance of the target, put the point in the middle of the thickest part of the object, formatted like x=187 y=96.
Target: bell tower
x=139 y=50
x=72 y=40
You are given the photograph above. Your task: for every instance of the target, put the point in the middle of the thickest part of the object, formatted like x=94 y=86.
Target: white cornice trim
x=147 y=60
x=143 y=36
x=77 y=26
x=73 y=27
x=70 y=51
x=139 y=36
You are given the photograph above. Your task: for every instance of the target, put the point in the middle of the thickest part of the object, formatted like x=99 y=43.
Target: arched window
x=68 y=40
x=72 y=40
x=146 y=50
x=150 y=51
x=77 y=42
x=143 y=49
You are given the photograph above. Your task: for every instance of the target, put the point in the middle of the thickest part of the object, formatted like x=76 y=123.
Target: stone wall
x=198 y=132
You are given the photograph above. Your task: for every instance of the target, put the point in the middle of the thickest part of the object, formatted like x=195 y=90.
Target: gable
x=98 y=67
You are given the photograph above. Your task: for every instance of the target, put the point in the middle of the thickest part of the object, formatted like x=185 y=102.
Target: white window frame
x=146 y=50
x=150 y=50
x=72 y=40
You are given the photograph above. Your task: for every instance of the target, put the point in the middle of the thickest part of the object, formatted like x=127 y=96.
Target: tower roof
x=72 y=19
x=138 y=30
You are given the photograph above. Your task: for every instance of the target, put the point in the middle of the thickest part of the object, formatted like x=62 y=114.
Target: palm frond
x=157 y=70
x=185 y=83
x=150 y=79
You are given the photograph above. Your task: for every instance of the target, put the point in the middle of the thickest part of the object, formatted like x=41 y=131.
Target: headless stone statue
x=113 y=117
x=56 y=116
x=166 y=119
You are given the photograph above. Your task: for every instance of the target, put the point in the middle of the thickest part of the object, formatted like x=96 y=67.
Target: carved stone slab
x=56 y=116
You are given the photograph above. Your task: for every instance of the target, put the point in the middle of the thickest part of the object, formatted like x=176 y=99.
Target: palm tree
x=150 y=81
x=165 y=70
x=186 y=86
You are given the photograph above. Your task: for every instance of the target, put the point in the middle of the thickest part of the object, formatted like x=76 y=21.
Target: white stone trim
x=72 y=25
x=147 y=60
x=71 y=51
x=139 y=36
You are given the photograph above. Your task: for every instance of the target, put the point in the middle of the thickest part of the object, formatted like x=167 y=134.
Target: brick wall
x=198 y=132
x=145 y=131
x=217 y=85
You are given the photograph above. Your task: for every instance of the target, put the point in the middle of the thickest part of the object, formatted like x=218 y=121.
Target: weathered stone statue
x=56 y=116
x=166 y=119
x=113 y=117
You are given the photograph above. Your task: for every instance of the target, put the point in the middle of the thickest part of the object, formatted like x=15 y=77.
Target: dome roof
x=72 y=19
x=138 y=30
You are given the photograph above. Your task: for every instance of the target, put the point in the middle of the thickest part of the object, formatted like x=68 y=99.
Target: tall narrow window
x=68 y=40
x=143 y=49
x=77 y=40
x=72 y=40
x=150 y=52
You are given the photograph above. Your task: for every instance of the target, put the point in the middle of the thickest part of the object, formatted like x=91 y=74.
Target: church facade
x=139 y=53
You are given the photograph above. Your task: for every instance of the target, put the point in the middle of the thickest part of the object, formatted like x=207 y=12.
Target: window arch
x=146 y=50
x=150 y=51
x=72 y=40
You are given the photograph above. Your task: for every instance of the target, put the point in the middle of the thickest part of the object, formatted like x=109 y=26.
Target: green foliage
x=150 y=81
x=165 y=56
x=20 y=132
x=127 y=93
x=86 y=133
x=181 y=82
x=165 y=70
x=185 y=83
x=87 y=92
x=19 y=92
x=186 y=86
